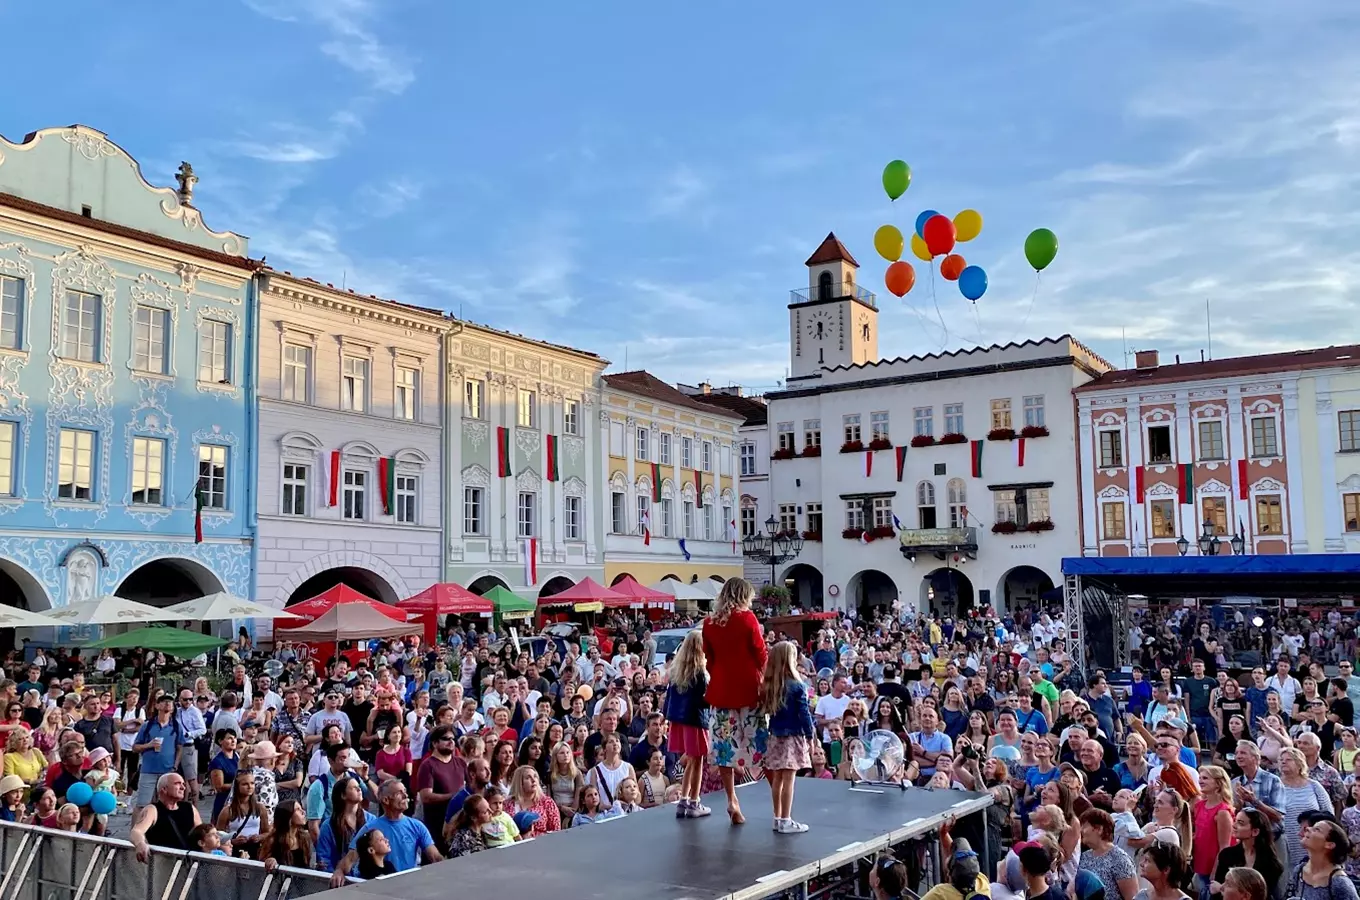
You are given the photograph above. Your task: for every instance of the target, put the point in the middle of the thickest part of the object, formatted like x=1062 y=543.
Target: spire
x=831 y=250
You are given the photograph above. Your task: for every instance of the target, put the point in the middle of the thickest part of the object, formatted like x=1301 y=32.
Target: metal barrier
x=43 y=864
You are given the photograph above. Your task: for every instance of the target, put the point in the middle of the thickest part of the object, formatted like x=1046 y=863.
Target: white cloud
x=678 y=193
x=349 y=37
x=391 y=197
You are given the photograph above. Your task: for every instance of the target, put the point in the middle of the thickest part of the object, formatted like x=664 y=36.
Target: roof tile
x=645 y=384
x=831 y=250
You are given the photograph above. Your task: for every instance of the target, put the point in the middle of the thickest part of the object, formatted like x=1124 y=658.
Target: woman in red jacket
x=735 y=648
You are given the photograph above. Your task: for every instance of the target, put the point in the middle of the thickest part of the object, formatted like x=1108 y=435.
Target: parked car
x=668 y=640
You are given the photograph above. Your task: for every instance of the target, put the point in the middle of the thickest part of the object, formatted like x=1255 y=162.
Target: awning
x=509 y=605
x=644 y=597
x=448 y=599
x=1296 y=575
x=588 y=590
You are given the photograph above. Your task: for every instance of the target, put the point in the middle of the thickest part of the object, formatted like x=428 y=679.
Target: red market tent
x=643 y=596
x=447 y=599
x=587 y=590
x=315 y=608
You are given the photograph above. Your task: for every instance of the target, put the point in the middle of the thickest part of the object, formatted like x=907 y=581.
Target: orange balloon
x=900 y=277
x=952 y=266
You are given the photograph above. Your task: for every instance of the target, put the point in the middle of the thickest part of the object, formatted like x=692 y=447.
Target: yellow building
x=670 y=474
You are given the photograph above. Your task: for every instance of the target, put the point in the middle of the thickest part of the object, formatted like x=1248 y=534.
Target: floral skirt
x=787 y=753
x=738 y=738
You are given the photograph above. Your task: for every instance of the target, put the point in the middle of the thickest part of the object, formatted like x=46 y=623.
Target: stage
x=652 y=854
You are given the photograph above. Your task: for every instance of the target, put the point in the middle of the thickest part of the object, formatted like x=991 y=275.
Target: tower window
x=864 y=329
x=824 y=286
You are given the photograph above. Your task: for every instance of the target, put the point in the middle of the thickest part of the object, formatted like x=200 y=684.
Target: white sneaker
x=788 y=826
x=779 y=825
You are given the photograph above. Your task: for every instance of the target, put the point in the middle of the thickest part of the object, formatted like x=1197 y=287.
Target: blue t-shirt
x=409 y=837
x=1032 y=721
x=158 y=762
x=1036 y=779
x=228 y=768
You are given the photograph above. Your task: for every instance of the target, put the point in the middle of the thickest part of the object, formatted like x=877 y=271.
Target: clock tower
x=833 y=322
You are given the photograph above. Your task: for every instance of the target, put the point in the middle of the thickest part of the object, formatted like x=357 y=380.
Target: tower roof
x=831 y=250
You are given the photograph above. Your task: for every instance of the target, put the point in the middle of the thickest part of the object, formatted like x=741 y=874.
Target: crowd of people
x=1185 y=773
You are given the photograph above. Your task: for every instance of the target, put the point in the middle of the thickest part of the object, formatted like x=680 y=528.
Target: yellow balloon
x=967 y=225
x=919 y=248
x=889 y=243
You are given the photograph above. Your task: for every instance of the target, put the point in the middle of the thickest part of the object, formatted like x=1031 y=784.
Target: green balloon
x=1040 y=248
x=896 y=178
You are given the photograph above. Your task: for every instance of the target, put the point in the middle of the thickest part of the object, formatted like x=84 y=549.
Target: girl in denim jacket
x=689 y=716
x=784 y=698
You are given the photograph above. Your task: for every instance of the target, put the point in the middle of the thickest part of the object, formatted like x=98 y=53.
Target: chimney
x=705 y=387
x=1145 y=359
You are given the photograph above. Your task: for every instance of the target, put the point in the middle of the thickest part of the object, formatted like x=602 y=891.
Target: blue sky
x=645 y=180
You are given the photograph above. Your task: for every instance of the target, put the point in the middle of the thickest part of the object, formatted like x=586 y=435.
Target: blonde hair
x=1246 y=881
x=1295 y=754
x=555 y=770
x=689 y=663
x=736 y=594
x=781 y=668
x=1218 y=776
x=1057 y=822
x=523 y=799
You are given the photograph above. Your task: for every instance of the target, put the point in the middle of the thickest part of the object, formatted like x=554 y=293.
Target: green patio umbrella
x=510 y=605
x=184 y=644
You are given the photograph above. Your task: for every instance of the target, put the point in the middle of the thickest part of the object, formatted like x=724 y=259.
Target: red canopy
x=315 y=608
x=587 y=590
x=628 y=586
x=446 y=599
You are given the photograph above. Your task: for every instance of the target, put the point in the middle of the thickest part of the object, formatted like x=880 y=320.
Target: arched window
x=864 y=329
x=957 y=492
x=925 y=505
x=824 y=290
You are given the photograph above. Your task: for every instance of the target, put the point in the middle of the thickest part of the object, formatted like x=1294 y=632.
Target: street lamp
x=1208 y=540
x=773 y=547
x=1239 y=543
x=1182 y=545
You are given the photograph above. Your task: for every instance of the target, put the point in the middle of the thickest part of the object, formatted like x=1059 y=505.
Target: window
x=297 y=364
x=1349 y=502
x=353 y=494
x=1214 y=510
x=294 y=490
x=474 y=393
x=618 y=507
x=1163 y=518
x=953 y=418
x=784 y=433
x=1112 y=516
x=7 y=431
x=667 y=518
x=214 y=353
x=852 y=430
x=148 y=340
x=883 y=512
x=408 y=394
x=527 y=508
x=814 y=517
x=1111 y=449
x=1022 y=506
x=1034 y=411
x=148 y=461
x=406 y=499
x=1006 y=507
x=748 y=520
x=688 y=524
x=1211 y=440
x=709 y=530
x=1036 y=505
x=812 y=433
x=212 y=475
x=788 y=517
x=1348 y=422
x=923 y=421
x=925 y=505
x=956 y=492
x=644 y=509
x=474 y=509
x=1263 y=438
x=354 y=384
x=11 y=312
x=686 y=453
x=75 y=473
x=572 y=525
x=665 y=447
x=726 y=523
x=571 y=417
x=528 y=409
x=1001 y=414
x=80 y=327
x=644 y=442
x=1159 y=443
x=854 y=513
x=878 y=426
x=707 y=459
x=1268 y=518
x=748 y=459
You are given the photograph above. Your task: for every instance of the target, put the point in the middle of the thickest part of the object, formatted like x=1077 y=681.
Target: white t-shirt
x=830 y=707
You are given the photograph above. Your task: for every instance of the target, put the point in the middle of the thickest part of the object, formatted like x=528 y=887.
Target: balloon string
x=977 y=317
x=938 y=314
x=1029 y=309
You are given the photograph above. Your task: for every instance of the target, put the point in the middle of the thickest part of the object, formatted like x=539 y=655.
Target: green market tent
x=184 y=644
x=510 y=605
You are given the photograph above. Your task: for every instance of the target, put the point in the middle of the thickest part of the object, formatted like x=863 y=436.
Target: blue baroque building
x=125 y=381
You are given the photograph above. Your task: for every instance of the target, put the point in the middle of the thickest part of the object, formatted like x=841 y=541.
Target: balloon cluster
x=938 y=235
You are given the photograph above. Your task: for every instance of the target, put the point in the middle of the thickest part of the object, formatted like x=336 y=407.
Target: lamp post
x=1208 y=542
x=773 y=547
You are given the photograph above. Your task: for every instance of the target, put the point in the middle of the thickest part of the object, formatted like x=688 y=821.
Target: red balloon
x=939 y=235
x=951 y=266
x=900 y=277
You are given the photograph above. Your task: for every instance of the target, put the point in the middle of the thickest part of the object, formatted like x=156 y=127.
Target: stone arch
x=26 y=587
x=342 y=559
x=169 y=579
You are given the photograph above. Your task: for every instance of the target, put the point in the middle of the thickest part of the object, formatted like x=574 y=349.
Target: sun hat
x=96 y=755
x=11 y=783
x=264 y=750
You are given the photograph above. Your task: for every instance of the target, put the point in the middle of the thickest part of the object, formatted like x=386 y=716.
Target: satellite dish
x=878 y=759
x=273 y=668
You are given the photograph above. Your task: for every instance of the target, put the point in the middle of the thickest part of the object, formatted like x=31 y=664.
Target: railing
x=42 y=864
x=935 y=537
x=834 y=291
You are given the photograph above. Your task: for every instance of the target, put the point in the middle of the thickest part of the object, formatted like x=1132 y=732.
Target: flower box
x=812 y=450
x=923 y=440
x=812 y=536
x=1005 y=528
x=783 y=453
x=1041 y=525
x=852 y=446
x=852 y=534
x=1001 y=434
x=1033 y=431
x=953 y=438
x=787 y=534
x=880 y=444
x=883 y=531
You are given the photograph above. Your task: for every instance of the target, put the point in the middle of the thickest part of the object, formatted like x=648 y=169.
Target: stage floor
x=652 y=854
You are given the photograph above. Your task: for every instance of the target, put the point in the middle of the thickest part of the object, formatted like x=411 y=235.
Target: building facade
x=938 y=482
x=351 y=442
x=523 y=459
x=125 y=384
x=1256 y=450
x=670 y=480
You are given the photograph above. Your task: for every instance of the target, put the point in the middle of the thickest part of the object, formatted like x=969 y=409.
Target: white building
x=348 y=383
x=931 y=442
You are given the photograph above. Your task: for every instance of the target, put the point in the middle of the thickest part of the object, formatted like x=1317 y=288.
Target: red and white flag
x=868 y=463
x=329 y=463
x=864 y=536
x=1019 y=451
x=646 y=524
x=529 y=548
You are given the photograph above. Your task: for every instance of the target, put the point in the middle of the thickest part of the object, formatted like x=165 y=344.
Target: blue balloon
x=973 y=282
x=102 y=803
x=79 y=793
x=921 y=221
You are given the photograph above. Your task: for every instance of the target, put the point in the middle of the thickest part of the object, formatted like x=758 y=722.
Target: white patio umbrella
x=681 y=591
x=222 y=606
x=13 y=617
x=110 y=610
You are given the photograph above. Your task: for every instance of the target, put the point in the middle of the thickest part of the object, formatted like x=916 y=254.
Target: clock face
x=864 y=327
x=819 y=325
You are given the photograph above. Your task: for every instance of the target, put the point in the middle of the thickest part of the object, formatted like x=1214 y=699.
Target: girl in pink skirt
x=690 y=717
x=784 y=698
